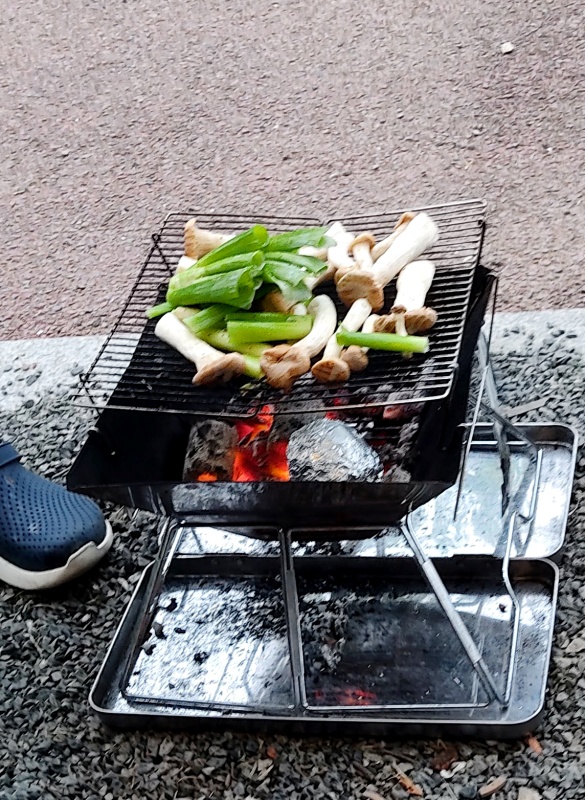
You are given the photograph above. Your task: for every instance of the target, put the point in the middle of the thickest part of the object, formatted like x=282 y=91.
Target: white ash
x=329 y=450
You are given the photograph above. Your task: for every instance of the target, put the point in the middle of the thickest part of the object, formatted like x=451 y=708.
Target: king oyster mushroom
x=198 y=241
x=380 y=247
x=338 y=256
x=212 y=365
x=415 y=237
x=409 y=314
x=356 y=357
x=331 y=368
x=283 y=364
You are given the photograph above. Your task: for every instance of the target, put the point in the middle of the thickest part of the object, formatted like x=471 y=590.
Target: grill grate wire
x=135 y=370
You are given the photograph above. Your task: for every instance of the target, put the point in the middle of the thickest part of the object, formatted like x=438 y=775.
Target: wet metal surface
x=247 y=661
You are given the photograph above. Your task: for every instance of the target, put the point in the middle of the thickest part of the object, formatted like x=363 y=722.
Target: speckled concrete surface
x=112 y=114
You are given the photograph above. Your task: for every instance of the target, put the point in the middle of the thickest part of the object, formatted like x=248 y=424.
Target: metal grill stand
x=513 y=502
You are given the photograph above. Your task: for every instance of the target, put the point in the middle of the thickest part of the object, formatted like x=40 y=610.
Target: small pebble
x=492 y=787
x=506 y=47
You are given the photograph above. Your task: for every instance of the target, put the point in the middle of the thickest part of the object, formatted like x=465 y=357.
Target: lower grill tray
x=223 y=640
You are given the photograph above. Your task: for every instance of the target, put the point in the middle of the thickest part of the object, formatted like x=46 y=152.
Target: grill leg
x=293 y=625
x=435 y=582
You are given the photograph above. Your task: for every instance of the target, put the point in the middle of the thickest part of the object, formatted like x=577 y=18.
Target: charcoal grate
x=135 y=370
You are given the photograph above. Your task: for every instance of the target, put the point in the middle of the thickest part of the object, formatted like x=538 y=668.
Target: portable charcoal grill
x=311 y=637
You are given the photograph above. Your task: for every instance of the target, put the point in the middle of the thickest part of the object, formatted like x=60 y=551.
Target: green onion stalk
x=183 y=279
x=313 y=265
x=157 y=311
x=384 y=341
x=241 y=331
x=251 y=352
x=236 y=288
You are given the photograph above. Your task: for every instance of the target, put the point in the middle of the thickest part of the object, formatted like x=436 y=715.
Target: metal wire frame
x=135 y=370
x=502 y=696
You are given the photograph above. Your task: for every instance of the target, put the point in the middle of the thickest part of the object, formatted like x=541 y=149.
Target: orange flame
x=249 y=430
x=245 y=467
x=277 y=462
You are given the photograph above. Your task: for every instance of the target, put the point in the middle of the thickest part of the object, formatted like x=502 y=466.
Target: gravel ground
x=52 y=645
x=112 y=114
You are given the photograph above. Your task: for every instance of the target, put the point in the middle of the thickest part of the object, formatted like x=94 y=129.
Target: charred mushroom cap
x=417 y=321
x=283 y=364
x=221 y=370
x=356 y=358
x=331 y=370
x=357 y=283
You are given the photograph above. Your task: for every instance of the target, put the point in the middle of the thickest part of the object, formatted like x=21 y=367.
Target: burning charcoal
x=328 y=450
x=210 y=451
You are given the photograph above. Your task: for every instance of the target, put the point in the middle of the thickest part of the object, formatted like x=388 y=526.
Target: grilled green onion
x=384 y=341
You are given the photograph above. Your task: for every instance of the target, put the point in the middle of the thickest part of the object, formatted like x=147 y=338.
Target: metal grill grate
x=134 y=370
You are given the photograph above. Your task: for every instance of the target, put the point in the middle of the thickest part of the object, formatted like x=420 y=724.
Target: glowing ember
x=347 y=697
x=246 y=467
x=355 y=697
x=207 y=477
x=249 y=430
x=277 y=462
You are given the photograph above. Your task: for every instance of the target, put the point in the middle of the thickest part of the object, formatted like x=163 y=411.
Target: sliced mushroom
x=283 y=364
x=198 y=241
x=357 y=357
x=212 y=366
x=331 y=368
x=381 y=247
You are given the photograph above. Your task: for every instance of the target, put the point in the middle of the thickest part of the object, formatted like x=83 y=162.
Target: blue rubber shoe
x=47 y=535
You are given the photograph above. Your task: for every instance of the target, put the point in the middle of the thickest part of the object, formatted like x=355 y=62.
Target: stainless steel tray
x=478 y=528
x=223 y=639
x=220 y=640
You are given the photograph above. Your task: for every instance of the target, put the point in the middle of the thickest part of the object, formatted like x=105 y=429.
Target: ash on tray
x=329 y=450
x=324 y=626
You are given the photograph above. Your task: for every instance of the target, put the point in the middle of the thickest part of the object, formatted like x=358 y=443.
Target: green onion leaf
x=303 y=237
x=246 y=242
